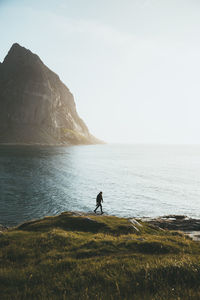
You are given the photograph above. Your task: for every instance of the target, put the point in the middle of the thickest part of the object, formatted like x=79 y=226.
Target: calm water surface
x=136 y=180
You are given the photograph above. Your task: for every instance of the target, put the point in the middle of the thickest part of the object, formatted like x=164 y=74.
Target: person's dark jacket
x=99 y=198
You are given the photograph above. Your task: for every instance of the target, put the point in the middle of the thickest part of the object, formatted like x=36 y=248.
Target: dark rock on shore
x=176 y=222
x=3 y=229
x=36 y=106
x=183 y=223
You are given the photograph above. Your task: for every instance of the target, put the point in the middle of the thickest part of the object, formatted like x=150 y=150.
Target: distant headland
x=36 y=106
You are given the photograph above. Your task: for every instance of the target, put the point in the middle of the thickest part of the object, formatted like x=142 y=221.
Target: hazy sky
x=133 y=66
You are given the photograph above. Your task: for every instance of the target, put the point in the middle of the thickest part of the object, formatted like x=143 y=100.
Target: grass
x=97 y=257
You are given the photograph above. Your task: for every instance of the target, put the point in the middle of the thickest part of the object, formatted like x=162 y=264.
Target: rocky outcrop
x=175 y=222
x=3 y=229
x=36 y=106
x=182 y=223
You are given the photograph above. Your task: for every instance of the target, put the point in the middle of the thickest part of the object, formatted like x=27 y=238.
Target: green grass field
x=97 y=257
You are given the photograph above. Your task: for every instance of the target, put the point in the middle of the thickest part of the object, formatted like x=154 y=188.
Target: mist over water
x=136 y=180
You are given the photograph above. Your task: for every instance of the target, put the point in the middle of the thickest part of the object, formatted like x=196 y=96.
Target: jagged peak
x=17 y=52
x=15 y=45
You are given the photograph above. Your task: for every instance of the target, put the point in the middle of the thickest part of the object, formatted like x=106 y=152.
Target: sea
x=136 y=180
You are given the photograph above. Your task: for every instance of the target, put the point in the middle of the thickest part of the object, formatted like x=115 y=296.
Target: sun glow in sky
x=133 y=66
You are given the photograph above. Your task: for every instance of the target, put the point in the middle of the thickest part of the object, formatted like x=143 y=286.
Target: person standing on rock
x=99 y=199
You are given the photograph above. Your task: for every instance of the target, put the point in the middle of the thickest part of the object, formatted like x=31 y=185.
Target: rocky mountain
x=35 y=105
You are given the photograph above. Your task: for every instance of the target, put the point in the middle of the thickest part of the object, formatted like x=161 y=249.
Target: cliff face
x=35 y=106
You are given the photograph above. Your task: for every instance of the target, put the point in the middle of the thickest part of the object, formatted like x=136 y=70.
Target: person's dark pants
x=98 y=205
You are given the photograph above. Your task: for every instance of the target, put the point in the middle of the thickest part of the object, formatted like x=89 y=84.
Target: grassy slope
x=97 y=257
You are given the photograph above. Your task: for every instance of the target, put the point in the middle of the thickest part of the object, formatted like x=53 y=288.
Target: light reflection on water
x=137 y=180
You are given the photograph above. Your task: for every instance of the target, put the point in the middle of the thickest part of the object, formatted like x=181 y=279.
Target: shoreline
x=44 y=145
x=187 y=225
